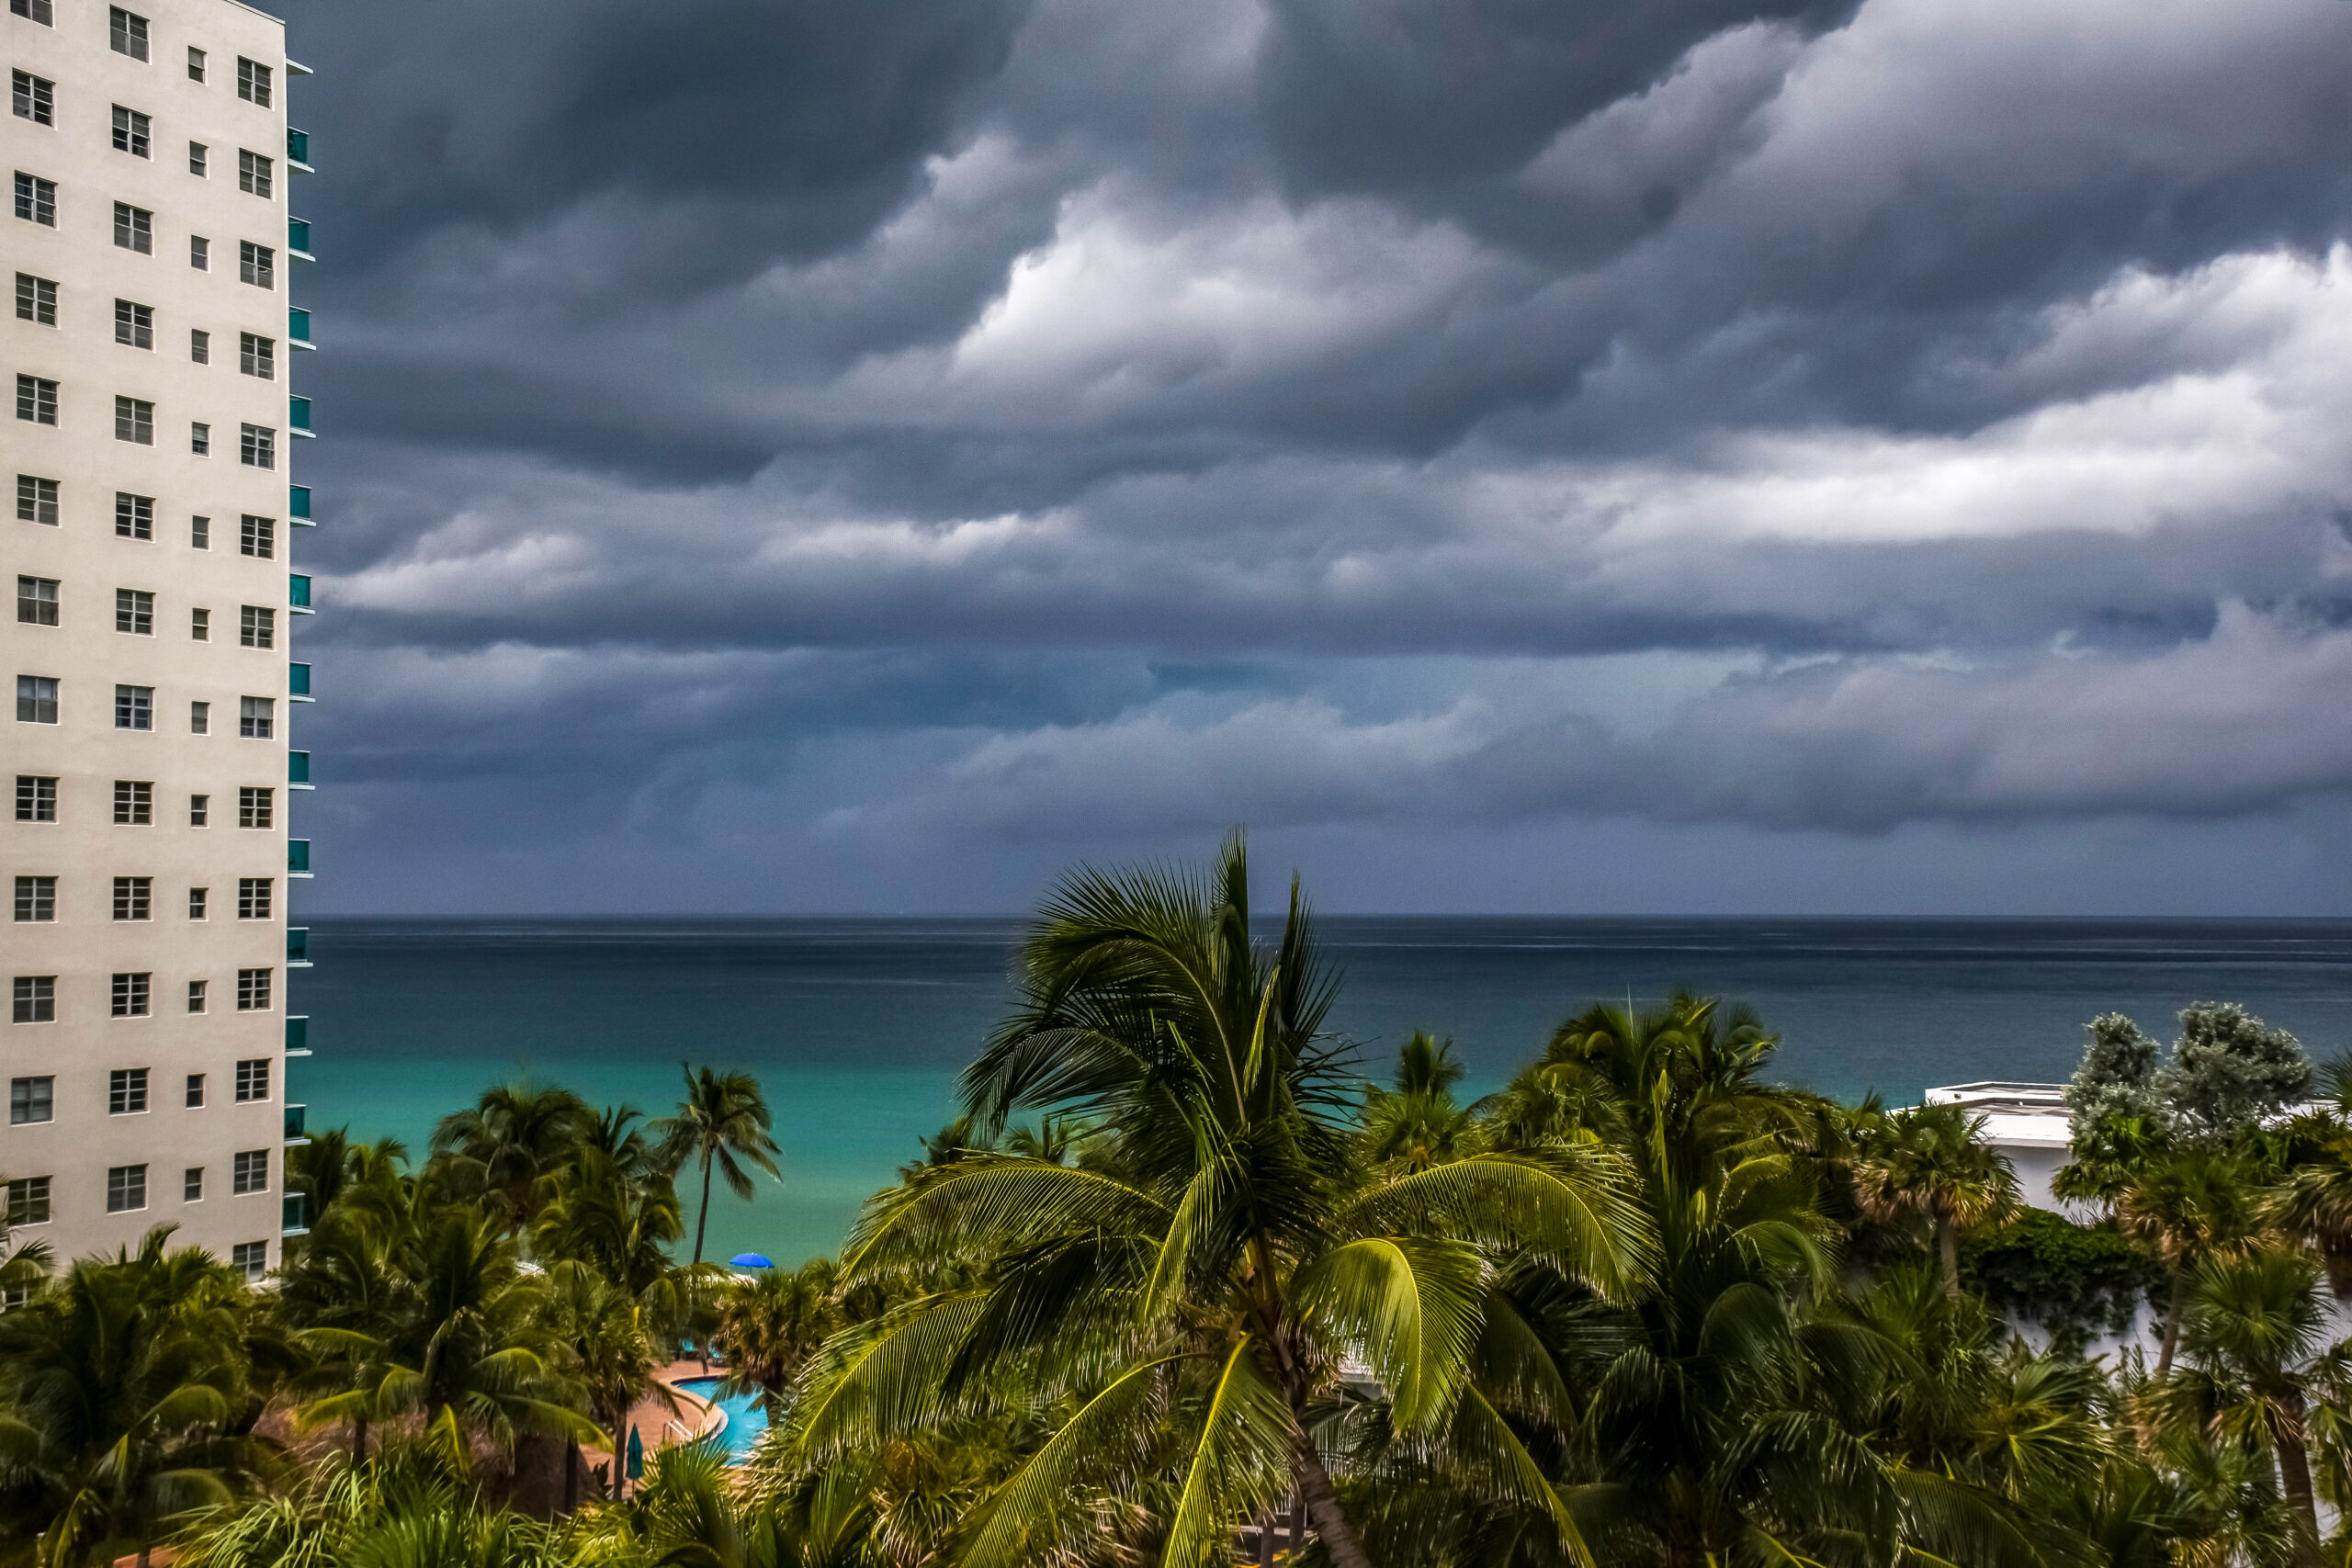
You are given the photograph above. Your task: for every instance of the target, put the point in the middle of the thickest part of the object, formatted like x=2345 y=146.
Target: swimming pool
x=745 y=1417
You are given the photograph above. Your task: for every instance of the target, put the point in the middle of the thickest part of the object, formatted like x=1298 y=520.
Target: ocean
x=856 y=1027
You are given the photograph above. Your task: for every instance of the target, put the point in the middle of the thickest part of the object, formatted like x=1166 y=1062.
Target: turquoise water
x=746 y=1420
x=857 y=1028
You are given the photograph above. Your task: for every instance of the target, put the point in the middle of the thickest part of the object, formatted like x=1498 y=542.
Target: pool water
x=746 y=1420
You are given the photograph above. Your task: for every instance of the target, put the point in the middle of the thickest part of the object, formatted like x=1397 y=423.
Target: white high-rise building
x=147 y=854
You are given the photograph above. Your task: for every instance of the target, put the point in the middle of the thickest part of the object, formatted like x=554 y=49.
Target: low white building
x=2026 y=1121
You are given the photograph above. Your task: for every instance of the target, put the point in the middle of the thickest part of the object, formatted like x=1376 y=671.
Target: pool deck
x=657 y=1425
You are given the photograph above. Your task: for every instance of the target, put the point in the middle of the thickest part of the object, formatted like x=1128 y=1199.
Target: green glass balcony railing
x=297 y=682
x=298 y=857
x=298 y=768
x=297 y=327
x=297 y=414
x=298 y=592
x=298 y=148
x=297 y=505
x=298 y=1035
x=298 y=947
x=294 y=1210
x=294 y=1122
x=297 y=239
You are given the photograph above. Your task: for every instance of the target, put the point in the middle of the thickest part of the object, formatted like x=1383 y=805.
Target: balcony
x=298 y=505
x=297 y=683
x=297 y=328
x=298 y=770
x=294 y=1125
x=298 y=592
x=298 y=150
x=297 y=239
x=298 y=857
x=298 y=415
x=298 y=1035
x=298 y=947
x=294 y=1211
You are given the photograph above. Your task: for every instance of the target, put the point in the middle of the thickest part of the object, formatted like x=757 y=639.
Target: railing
x=294 y=1211
x=297 y=682
x=298 y=148
x=294 y=1123
x=298 y=503
x=298 y=239
x=297 y=414
x=298 y=1035
x=297 y=592
x=298 y=857
x=298 y=768
x=297 y=327
x=298 y=947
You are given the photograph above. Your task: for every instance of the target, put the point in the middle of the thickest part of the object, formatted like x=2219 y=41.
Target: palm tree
x=2191 y=1204
x=1178 y=1309
x=1418 y=1124
x=1932 y=1161
x=499 y=1148
x=723 y=1122
x=772 y=1323
x=413 y=1509
x=613 y=1355
x=127 y=1393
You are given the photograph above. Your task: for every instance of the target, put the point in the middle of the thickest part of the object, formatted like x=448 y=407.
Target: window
x=36 y=699
x=249 y=1171
x=134 y=515
x=34 y=999
x=134 y=707
x=256 y=806
x=199 y=159
x=35 y=898
x=196 y=907
x=199 y=813
x=36 y=300
x=199 y=440
x=28 y=1200
x=195 y=64
x=192 y=1185
x=127 y=1091
x=31 y=1101
x=252 y=81
x=127 y=33
x=195 y=1092
x=199 y=345
x=134 y=803
x=199 y=720
x=254 y=715
x=36 y=500
x=256 y=264
x=252 y=1257
x=195 y=997
x=130 y=995
x=134 y=612
x=32 y=11
x=257 y=446
x=132 y=897
x=134 y=228
x=36 y=400
x=199 y=253
x=199 y=625
x=134 y=325
x=36 y=798
x=258 y=356
x=258 y=537
x=199 y=533
x=254 y=172
x=125 y=1184
x=131 y=129
x=135 y=421
x=35 y=97
x=253 y=897
x=36 y=199
x=256 y=626
x=253 y=1080
x=252 y=990
x=36 y=601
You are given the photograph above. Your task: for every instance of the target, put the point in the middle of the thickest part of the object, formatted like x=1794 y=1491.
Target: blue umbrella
x=749 y=1260
x=636 y=1454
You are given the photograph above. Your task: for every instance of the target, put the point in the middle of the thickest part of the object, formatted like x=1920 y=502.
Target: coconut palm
x=772 y=1322
x=498 y=1148
x=597 y=1213
x=126 y=1395
x=1418 y=1124
x=724 y=1122
x=1932 y=1161
x=1178 y=1311
x=411 y=1508
x=611 y=1350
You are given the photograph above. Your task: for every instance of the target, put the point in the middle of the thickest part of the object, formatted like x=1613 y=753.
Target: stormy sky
x=1691 y=455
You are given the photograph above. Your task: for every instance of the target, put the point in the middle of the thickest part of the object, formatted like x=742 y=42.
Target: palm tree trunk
x=2295 y=1480
x=702 y=1220
x=1322 y=1502
x=571 y=1465
x=1948 y=1248
x=358 y=1440
x=2173 y=1310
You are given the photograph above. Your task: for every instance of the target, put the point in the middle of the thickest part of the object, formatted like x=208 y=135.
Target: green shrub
x=2073 y=1280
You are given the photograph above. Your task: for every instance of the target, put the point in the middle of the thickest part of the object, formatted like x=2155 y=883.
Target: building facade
x=148 y=855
